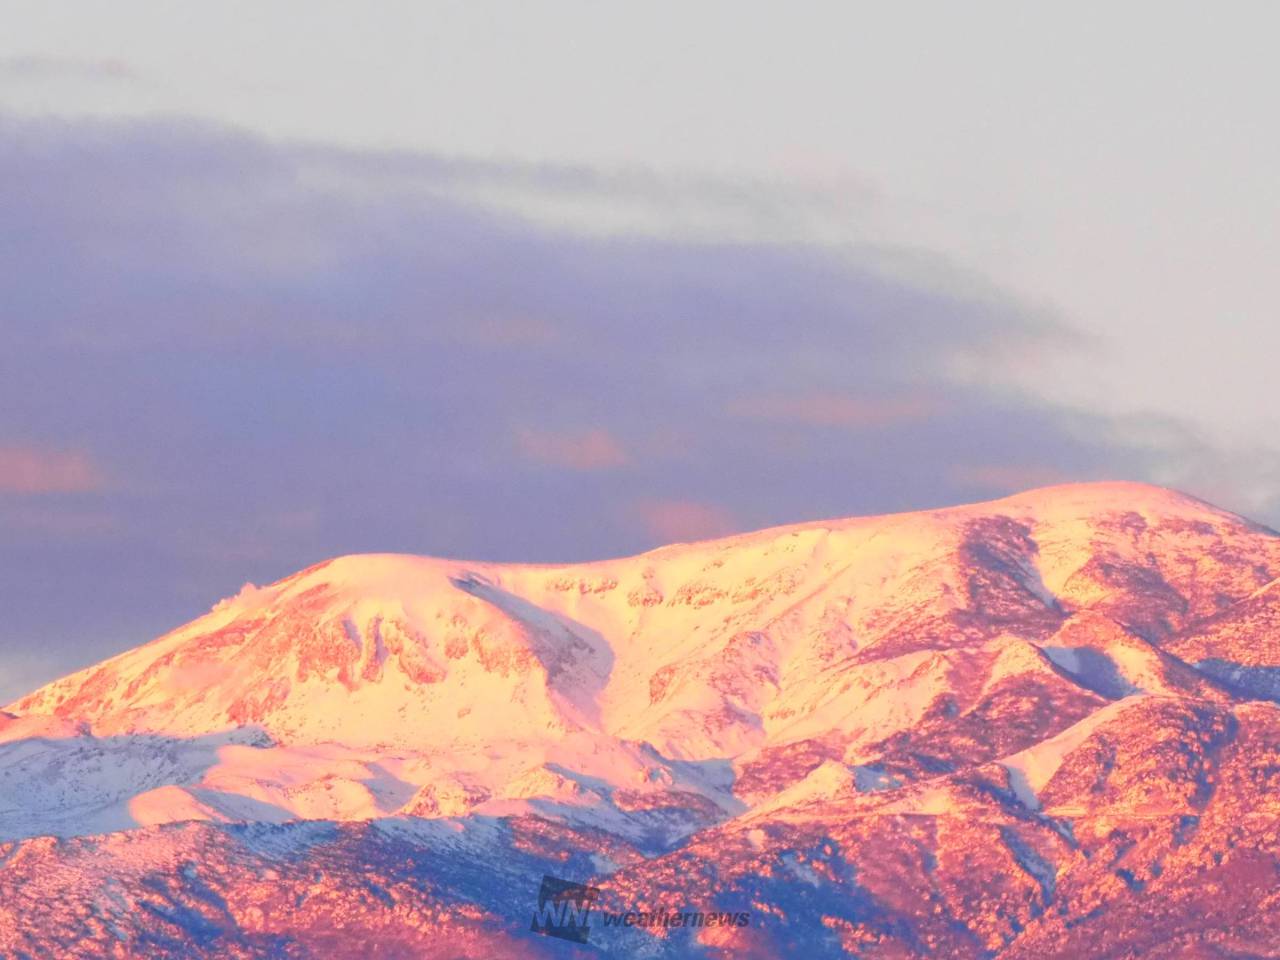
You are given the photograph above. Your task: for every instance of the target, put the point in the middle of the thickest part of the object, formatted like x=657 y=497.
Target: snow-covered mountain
x=987 y=729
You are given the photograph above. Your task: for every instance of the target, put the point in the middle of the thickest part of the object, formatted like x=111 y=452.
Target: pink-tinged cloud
x=672 y=521
x=595 y=449
x=826 y=409
x=29 y=470
x=1007 y=477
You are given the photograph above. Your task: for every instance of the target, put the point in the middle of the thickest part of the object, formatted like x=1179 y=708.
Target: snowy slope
x=661 y=691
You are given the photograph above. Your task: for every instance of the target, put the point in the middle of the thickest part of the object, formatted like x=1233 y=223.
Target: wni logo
x=564 y=909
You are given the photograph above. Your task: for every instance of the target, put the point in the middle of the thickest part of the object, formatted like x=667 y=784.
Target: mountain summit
x=1009 y=728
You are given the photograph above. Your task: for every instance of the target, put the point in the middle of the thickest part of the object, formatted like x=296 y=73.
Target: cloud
x=29 y=470
x=671 y=521
x=594 y=449
x=626 y=200
x=264 y=330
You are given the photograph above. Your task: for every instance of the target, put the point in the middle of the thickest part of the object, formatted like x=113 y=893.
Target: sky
x=561 y=281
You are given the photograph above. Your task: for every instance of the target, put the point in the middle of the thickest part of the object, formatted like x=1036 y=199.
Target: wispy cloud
x=593 y=449
x=30 y=470
x=625 y=199
x=670 y=521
